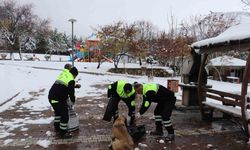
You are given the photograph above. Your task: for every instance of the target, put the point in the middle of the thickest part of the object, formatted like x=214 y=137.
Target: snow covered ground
x=20 y=80
x=25 y=76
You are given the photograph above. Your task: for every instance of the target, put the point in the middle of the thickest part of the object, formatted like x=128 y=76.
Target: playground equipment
x=89 y=51
x=107 y=59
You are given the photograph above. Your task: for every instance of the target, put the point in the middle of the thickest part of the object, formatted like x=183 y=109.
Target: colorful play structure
x=89 y=51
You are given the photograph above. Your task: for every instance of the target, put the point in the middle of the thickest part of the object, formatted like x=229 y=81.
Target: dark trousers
x=111 y=109
x=61 y=113
x=163 y=112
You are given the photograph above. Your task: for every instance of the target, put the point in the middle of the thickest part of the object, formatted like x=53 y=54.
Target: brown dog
x=121 y=140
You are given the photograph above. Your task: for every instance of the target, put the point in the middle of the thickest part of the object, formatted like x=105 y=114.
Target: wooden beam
x=245 y=80
x=224 y=48
x=224 y=100
x=201 y=96
x=224 y=94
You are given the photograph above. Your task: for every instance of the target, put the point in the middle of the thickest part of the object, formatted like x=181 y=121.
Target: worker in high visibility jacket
x=165 y=100
x=61 y=90
x=120 y=90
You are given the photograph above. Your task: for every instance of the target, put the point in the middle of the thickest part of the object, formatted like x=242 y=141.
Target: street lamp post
x=72 y=21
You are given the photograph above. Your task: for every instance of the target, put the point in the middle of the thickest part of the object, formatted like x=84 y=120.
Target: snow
x=231 y=109
x=237 y=32
x=4 y=134
x=33 y=83
x=44 y=143
x=40 y=121
x=101 y=105
x=7 y=141
x=48 y=133
x=161 y=141
x=227 y=61
x=142 y=145
x=24 y=129
x=27 y=146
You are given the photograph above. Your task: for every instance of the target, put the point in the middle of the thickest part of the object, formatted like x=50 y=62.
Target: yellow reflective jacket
x=120 y=90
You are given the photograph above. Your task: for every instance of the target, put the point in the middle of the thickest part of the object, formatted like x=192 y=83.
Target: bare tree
x=172 y=25
x=167 y=45
x=115 y=40
x=200 y=27
x=247 y=3
x=211 y=25
x=144 y=40
x=42 y=34
x=110 y=36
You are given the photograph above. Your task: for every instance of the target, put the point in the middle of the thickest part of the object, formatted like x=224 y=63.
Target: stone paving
x=79 y=139
x=96 y=139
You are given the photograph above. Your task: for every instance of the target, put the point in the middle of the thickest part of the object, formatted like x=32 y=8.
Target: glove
x=78 y=86
x=138 y=115
x=70 y=103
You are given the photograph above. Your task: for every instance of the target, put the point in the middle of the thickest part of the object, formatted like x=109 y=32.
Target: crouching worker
x=61 y=90
x=120 y=90
x=165 y=100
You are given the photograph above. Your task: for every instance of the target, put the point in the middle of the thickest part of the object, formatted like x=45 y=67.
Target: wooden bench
x=226 y=102
x=227 y=109
x=236 y=105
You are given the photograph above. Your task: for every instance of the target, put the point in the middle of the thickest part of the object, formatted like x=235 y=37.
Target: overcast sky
x=91 y=13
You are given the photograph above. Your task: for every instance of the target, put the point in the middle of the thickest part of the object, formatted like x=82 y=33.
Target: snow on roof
x=227 y=61
x=234 y=33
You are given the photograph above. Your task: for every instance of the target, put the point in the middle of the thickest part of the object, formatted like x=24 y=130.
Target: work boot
x=57 y=127
x=65 y=135
x=170 y=137
x=157 y=132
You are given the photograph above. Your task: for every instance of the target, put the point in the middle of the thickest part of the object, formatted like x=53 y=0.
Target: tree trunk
x=116 y=64
x=99 y=62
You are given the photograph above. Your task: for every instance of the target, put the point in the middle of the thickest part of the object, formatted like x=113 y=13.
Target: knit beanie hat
x=127 y=88
x=74 y=71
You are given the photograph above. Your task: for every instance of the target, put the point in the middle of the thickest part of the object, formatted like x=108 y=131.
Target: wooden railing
x=234 y=104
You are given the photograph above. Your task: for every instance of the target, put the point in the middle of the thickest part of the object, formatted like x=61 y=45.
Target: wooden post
x=246 y=77
x=201 y=96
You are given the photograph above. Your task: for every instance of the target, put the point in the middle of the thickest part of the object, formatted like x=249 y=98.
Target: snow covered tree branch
x=246 y=2
x=15 y=21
